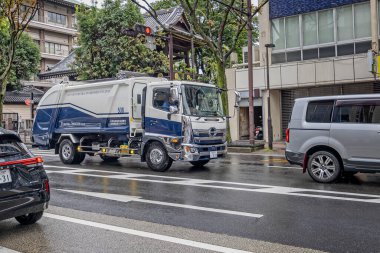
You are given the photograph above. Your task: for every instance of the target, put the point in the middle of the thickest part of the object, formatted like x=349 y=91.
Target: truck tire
x=109 y=158
x=157 y=157
x=69 y=154
x=199 y=163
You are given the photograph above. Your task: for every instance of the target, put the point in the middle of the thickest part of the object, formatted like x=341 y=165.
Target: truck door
x=136 y=117
x=157 y=111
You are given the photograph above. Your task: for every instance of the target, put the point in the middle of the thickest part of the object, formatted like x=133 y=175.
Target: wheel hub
x=323 y=167
x=156 y=156
x=66 y=151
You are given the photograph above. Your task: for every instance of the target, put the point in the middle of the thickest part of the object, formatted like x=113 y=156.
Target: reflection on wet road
x=238 y=204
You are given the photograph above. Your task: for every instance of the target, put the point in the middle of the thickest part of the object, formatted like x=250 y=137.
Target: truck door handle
x=153 y=122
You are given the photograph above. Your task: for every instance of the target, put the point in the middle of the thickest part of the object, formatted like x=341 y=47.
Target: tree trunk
x=3 y=88
x=222 y=83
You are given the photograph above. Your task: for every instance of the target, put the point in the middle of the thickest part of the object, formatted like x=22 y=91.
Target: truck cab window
x=161 y=99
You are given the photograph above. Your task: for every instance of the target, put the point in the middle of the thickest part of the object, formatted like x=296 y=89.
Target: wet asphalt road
x=244 y=202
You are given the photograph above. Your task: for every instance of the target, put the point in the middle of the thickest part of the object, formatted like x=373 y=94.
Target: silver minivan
x=335 y=135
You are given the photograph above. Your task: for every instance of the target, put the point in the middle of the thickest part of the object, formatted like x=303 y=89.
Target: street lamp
x=270 y=129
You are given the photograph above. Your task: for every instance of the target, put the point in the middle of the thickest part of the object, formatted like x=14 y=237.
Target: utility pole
x=250 y=76
x=270 y=129
x=171 y=61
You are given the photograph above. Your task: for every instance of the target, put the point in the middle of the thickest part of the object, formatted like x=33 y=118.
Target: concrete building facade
x=320 y=49
x=53 y=28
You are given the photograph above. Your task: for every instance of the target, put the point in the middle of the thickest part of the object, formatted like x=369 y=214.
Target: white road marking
x=144 y=234
x=38 y=154
x=226 y=185
x=126 y=198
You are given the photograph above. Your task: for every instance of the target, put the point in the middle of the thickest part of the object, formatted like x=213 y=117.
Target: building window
x=278 y=33
x=58 y=49
x=326 y=26
x=333 y=32
x=362 y=20
x=309 y=29
x=292 y=32
x=344 y=23
x=56 y=18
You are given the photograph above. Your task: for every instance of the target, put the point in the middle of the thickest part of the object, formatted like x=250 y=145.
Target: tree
x=221 y=24
x=26 y=60
x=164 y=4
x=104 y=49
x=15 y=16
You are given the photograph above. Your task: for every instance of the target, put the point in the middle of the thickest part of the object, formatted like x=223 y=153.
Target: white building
x=321 y=49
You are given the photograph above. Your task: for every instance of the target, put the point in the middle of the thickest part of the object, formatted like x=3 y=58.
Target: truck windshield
x=202 y=101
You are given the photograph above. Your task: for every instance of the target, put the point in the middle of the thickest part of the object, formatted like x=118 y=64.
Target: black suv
x=24 y=185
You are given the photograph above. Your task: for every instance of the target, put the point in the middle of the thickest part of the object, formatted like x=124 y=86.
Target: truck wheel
x=157 y=157
x=324 y=167
x=199 y=163
x=68 y=153
x=109 y=158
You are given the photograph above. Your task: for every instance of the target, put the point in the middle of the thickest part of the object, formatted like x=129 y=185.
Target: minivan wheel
x=157 y=158
x=324 y=167
x=30 y=218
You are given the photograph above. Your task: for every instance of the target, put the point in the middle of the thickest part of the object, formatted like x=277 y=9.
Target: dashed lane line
x=126 y=198
x=226 y=185
x=144 y=234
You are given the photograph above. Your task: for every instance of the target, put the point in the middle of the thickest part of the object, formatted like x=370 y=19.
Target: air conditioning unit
x=255 y=54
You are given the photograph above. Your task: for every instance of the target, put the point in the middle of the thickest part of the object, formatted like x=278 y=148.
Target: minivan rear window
x=319 y=111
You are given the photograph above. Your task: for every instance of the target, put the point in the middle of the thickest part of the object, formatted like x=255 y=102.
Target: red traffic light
x=148 y=31
x=143 y=29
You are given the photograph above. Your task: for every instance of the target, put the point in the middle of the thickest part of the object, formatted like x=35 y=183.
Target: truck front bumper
x=193 y=152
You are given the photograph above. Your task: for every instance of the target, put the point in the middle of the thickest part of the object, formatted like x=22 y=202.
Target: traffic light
x=146 y=30
x=129 y=32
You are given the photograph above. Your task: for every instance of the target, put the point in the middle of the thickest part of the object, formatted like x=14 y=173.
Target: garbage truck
x=161 y=121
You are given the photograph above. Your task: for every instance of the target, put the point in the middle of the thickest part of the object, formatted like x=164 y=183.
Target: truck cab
x=160 y=120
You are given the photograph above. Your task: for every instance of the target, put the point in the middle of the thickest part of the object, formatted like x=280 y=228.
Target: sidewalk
x=261 y=148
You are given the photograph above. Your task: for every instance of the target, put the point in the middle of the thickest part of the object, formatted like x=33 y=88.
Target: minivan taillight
x=34 y=161
x=287 y=138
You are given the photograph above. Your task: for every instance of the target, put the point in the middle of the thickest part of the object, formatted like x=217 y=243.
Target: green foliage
x=104 y=49
x=164 y=4
x=26 y=60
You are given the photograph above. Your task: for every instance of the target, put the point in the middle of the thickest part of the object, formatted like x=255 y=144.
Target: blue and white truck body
x=160 y=120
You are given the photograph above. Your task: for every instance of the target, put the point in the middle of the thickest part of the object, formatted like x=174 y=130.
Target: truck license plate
x=213 y=154
x=5 y=176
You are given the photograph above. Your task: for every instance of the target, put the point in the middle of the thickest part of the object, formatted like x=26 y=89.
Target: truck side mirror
x=173 y=109
x=174 y=96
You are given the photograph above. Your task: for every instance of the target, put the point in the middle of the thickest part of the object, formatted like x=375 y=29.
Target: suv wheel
x=157 y=157
x=69 y=154
x=30 y=218
x=324 y=167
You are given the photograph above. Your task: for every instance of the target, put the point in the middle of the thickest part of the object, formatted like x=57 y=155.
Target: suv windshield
x=12 y=149
x=202 y=101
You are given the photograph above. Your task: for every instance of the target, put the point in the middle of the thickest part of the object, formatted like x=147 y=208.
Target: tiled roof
x=167 y=17
x=19 y=96
x=61 y=68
